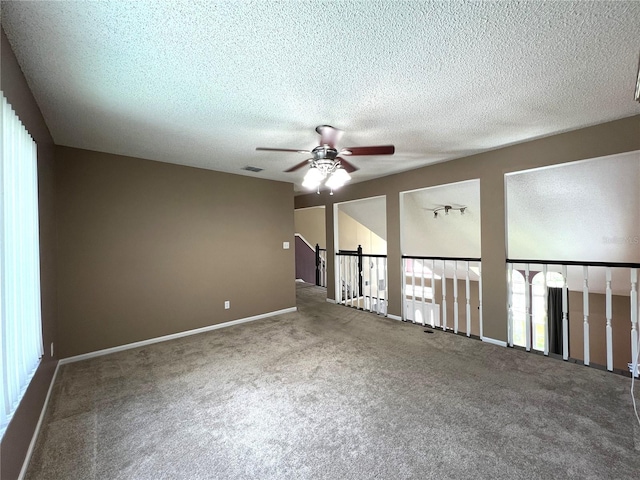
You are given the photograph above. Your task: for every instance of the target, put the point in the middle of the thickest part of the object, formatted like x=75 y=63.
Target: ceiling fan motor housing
x=324 y=158
x=324 y=152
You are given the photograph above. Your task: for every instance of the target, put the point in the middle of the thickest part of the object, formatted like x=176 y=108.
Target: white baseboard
x=394 y=317
x=331 y=300
x=173 y=336
x=36 y=432
x=493 y=341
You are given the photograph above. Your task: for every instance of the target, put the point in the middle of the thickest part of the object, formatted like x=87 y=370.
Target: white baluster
x=433 y=294
x=527 y=308
x=385 y=290
x=343 y=281
x=468 y=297
x=480 y=325
x=510 y=304
x=413 y=289
x=366 y=280
x=348 y=291
x=609 y=315
x=455 y=296
x=545 y=316
x=424 y=320
x=404 y=288
x=444 y=295
x=354 y=279
x=347 y=276
x=370 y=283
x=378 y=285
x=565 y=315
x=634 y=320
x=339 y=277
x=372 y=275
x=356 y=283
x=585 y=312
x=347 y=279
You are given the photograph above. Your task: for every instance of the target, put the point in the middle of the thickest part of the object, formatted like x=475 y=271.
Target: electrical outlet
x=285 y=245
x=631 y=368
x=227 y=304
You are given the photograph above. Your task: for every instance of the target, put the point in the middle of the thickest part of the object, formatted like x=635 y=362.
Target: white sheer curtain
x=20 y=318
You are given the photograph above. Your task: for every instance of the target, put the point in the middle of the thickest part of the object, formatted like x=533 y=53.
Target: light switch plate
x=285 y=245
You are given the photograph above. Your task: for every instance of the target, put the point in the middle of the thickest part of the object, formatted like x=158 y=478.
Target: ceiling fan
x=327 y=161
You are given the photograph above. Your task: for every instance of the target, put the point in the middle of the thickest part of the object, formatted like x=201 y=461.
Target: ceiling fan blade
x=349 y=167
x=282 y=150
x=377 y=150
x=298 y=166
x=328 y=135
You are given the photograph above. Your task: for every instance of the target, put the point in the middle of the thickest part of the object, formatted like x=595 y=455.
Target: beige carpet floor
x=330 y=392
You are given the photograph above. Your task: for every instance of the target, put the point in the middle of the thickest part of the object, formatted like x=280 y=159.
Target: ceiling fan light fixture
x=338 y=178
x=313 y=178
x=310 y=184
x=314 y=175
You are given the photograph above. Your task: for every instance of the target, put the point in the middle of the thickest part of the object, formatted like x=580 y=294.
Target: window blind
x=20 y=315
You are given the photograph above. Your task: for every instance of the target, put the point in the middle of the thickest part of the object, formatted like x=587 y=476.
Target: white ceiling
x=204 y=83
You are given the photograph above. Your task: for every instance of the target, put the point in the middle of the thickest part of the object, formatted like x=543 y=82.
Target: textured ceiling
x=204 y=83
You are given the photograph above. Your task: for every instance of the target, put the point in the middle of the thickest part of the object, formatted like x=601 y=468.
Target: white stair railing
x=363 y=280
x=592 y=278
x=420 y=302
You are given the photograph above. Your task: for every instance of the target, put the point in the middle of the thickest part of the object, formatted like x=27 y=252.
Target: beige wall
x=352 y=233
x=310 y=223
x=147 y=249
x=490 y=167
x=17 y=437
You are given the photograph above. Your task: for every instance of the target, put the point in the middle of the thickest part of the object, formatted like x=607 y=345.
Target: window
x=539 y=305
x=537 y=294
x=20 y=318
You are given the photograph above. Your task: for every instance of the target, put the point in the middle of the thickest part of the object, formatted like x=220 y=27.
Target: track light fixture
x=446 y=209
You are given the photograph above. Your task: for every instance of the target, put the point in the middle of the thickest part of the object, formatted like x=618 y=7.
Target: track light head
x=447 y=208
